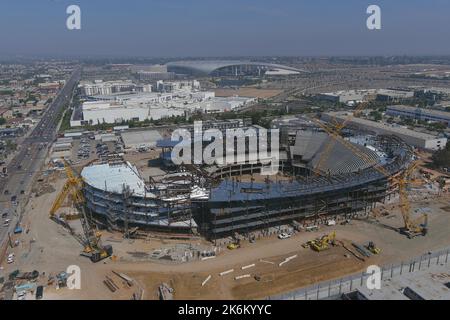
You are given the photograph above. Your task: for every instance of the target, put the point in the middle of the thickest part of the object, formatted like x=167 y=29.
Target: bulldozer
x=373 y=248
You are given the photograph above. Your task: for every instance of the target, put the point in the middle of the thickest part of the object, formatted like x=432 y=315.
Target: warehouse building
x=414 y=138
x=354 y=96
x=419 y=114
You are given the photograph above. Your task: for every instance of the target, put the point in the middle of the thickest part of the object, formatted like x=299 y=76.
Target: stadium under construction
x=318 y=179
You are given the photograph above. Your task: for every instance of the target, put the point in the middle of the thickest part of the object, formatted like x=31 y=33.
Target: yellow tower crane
x=412 y=228
x=72 y=187
x=338 y=126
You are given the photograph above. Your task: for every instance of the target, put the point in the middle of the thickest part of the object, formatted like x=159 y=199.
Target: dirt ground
x=47 y=247
x=247 y=92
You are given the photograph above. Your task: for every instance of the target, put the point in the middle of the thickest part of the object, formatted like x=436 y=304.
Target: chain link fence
x=335 y=288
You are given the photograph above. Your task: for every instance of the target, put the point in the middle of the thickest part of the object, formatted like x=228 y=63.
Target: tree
x=2 y=121
x=377 y=116
x=441 y=158
x=11 y=145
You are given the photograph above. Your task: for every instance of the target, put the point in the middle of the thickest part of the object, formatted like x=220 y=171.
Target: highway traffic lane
x=31 y=163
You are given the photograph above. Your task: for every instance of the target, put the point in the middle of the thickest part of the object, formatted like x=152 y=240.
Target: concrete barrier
x=206 y=280
x=226 y=272
x=287 y=260
x=248 y=266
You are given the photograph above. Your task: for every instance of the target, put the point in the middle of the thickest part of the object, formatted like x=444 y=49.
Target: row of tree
x=441 y=158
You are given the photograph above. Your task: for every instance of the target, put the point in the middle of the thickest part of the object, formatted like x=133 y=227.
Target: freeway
x=30 y=158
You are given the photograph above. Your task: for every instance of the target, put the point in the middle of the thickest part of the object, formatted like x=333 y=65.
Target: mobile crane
x=90 y=239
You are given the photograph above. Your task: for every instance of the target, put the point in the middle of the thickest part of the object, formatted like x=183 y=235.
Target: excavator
x=90 y=239
x=321 y=244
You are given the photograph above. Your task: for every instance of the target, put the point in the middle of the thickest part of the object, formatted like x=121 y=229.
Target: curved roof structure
x=312 y=146
x=207 y=67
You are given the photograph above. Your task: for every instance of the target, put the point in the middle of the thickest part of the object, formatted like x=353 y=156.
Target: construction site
x=140 y=227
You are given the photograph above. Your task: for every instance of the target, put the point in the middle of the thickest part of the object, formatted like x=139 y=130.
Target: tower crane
x=91 y=240
x=411 y=228
x=338 y=126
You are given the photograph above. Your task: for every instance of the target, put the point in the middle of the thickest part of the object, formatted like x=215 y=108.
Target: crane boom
x=411 y=228
x=329 y=146
x=90 y=238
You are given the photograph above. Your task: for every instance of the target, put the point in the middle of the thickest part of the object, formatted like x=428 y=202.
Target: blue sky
x=174 y=28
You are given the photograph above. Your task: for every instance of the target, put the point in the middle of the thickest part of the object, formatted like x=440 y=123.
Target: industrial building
x=106 y=112
x=355 y=96
x=177 y=98
x=155 y=76
x=347 y=96
x=419 y=114
x=414 y=138
x=105 y=88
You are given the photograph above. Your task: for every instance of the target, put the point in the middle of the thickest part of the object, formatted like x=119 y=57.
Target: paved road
x=29 y=159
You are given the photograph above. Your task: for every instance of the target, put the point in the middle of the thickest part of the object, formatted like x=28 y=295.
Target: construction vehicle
x=322 y=243
x=411 y=228
x=233 y=246
x=90 y=239
x=373 y=248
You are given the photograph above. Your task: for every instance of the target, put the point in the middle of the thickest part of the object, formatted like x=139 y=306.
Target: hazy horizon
x=210 y=28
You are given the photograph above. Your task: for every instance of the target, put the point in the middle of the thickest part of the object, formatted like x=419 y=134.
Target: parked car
x=284 y=235
x=10 y=258
x=39 y=292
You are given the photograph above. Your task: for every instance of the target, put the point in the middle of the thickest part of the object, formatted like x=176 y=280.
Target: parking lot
x=87 y=149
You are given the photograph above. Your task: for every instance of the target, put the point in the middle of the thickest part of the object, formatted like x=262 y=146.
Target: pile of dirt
x=43 y=188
